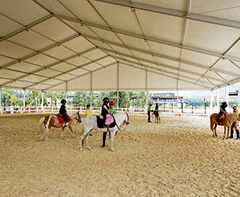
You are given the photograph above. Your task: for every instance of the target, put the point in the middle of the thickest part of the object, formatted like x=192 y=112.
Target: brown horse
x=227 y=123
x=45 y=123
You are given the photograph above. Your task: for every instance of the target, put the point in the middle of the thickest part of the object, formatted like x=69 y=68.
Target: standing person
x=88 y=111
x=222 y=112
x=235 y=124
x=63 y=112
x=149 y=112
x=113 y=111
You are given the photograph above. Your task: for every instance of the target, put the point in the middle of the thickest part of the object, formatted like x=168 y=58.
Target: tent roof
x=119 y=44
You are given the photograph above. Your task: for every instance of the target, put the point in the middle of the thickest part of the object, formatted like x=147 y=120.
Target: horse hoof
x=81 y=149
x=112 y=150
x=89 y=148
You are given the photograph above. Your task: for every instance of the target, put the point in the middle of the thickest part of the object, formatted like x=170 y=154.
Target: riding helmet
x=106 y=100
x=63 y=101
x=224 y=104
x=111 y=103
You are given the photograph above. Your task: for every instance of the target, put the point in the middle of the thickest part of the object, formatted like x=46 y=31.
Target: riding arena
x=111 y=98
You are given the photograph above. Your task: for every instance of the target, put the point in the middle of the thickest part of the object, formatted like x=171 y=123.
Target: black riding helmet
x=106 y=100
x=63 y=101
x=224 y=104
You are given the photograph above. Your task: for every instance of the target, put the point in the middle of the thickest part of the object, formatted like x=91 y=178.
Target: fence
x=131 y=110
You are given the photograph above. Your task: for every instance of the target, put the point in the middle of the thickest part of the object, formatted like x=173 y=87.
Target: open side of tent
x=119 y=44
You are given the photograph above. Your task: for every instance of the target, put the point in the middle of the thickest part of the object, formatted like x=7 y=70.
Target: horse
x=90 y=123
x=157 y=117
x=45 y=123
x=227 y=123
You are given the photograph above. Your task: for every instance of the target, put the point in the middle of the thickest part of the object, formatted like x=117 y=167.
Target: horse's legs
x=62 y=133
x=70 y=128
x=87 y=144
x=224 y=134
x=227 y=132
x=215 y=130
x=104 y=139
x=46 y=133
x=82 y=138
x=112 y=134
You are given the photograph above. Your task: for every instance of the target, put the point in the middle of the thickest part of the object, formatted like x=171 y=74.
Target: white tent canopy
x=119 y=44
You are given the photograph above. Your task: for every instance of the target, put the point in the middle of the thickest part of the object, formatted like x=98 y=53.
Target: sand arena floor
x=175 y=158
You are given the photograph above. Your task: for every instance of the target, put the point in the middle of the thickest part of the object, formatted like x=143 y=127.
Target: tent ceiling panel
x=105 y=79
x=83 y=29
x=21 y=11
x=79 y=60
x=59 y=32
x=188 y=86
x=55 y=7
x=106 y=34
x=23 y=66
x=9 y=74
x=227 y=66
x=33 y=78
x=80 y=83
x=167 y=62
x=83 y=10
x=200 y=71
x=157 y=81
x=120 y=49
x=65 y=77
x=165 y=49
x=2 y=81
x=78 y=44
x=7 y=26
x=31 y=39
x=20 y=84
x=213 y=74
x=100 y=44
x=214 y=39
x=224 y=9
x=4 y=60
x=143 y=56
x=106 y=61
x=41 y=59
x=173 y=4
x=48 y=73
x=157 y=25
x=40 y=87
x=59 y=52
x=53 y=81
x=127 y=74
x=134 y=42
x=78 y=71
x=94 y=54
x=129 y=59
x=121 y=18
x=63 y=67
x=234 y=51
x=92 y=66
x=198 y=57
x=13 y=50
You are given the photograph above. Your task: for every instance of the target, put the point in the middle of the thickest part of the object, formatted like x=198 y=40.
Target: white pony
x=90 y=123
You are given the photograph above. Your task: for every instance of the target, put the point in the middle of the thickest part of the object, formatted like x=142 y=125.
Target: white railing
x=96 y=110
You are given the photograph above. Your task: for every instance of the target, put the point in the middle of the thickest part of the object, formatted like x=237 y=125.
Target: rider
x=112 y=111
x=222 y=111
x=63 y=111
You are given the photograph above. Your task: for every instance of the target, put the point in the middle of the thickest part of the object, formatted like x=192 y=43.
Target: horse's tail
x=41 y=126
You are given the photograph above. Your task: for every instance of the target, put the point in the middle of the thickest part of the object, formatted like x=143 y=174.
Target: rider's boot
x=104 y=138
x=231 y=134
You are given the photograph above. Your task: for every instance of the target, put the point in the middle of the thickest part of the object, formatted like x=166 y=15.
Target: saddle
x=59 y=117
x=101 y=123
x=220 y=118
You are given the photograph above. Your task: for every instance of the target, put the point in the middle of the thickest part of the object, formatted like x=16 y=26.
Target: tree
x=14 y=100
